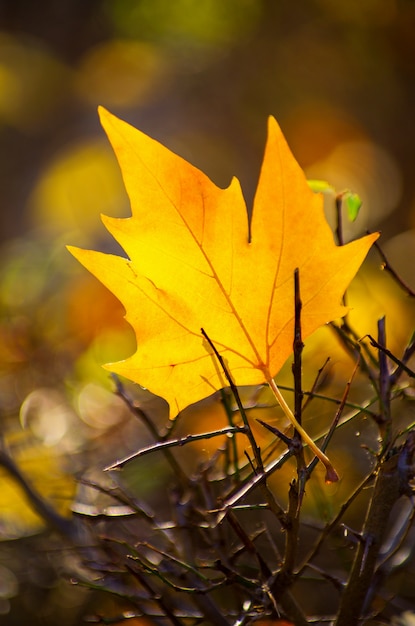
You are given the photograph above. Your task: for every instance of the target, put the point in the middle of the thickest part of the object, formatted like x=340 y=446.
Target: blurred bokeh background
x=201 y=76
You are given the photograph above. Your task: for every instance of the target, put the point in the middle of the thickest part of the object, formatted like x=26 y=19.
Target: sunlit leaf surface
x=192 y=264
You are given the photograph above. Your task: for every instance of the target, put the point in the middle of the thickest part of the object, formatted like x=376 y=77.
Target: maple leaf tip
x=72 y=249
x=275 y=134
x=105 y=117
x=102 y=110
x=273 y=124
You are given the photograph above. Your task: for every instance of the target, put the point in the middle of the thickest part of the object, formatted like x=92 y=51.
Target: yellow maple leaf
x=193 y=262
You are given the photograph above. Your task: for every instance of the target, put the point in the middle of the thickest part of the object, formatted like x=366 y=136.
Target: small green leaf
x=353 y=203
x=320 y=186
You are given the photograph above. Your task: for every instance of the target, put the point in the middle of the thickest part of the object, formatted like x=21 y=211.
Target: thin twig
x=316 y=383
x=256 y=480
x=156 y=597
x=319 y=396
x=298 y=373
x=336 y=419
x=233 y=443
x=174 y=443
x=249 y=433
x=386 y=266
x=329 y=528
x=388 y=353
x=384 y=418
x=142 y=415
x=408 y=352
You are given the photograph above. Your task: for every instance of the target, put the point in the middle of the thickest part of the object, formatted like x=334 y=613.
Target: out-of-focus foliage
x=122 y=72
x=208 y=26
x=47 y=472
x=79 y=185
x=33 y=83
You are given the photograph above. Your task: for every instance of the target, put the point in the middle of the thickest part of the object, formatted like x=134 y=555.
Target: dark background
x=203 y=77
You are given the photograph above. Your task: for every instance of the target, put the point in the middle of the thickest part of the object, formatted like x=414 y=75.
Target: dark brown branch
x=339 y=219
x=64 y=526
x=298 y=351
x=391 y=483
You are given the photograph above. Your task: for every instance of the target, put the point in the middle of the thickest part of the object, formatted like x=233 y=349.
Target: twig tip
x=331 y=475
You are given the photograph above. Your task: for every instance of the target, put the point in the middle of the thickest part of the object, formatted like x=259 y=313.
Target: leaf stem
x=331 y=474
